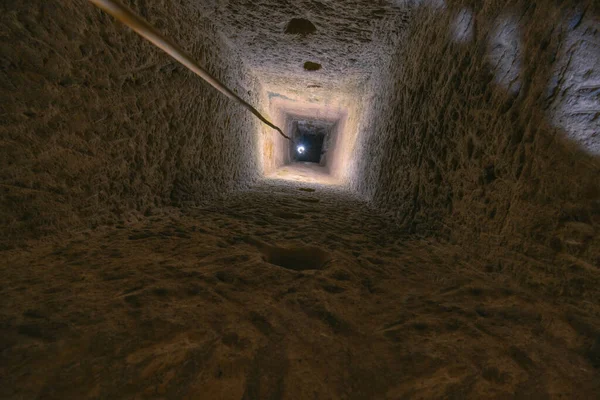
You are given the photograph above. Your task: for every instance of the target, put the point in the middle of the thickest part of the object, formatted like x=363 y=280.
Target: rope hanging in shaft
x=144 y=29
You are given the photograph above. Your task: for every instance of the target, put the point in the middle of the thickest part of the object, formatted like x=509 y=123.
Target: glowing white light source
x=301 y=149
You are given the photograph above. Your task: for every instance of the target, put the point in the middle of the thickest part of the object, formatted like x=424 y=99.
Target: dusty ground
x=186 y=305
x=304 y=172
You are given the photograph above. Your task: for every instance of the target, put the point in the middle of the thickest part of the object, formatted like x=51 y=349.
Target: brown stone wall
x=98 y=125
x=462 y=138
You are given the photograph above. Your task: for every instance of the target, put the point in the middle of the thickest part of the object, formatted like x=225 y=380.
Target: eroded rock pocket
x=312 y=66
x=300 y=258
x=300 y=26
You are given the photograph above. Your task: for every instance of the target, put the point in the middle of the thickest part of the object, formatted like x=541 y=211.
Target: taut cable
x=144 y=29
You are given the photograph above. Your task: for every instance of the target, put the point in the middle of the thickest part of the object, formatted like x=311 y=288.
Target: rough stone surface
x=461 y=261
x=574 y=89
x=349 y=40
x=450 y=148
x=200 y=303
x=97 y=123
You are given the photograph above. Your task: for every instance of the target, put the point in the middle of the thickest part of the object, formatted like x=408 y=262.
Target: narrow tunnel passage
x=438 y=236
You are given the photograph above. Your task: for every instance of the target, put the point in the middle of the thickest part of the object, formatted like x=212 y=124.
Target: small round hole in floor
x=299 y=258
x=311 y=66
x=300 y=26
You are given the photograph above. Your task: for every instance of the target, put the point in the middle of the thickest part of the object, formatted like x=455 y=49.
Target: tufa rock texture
x=347 y=42
x=460 y=260
x=459 y=141
x=98 y=124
